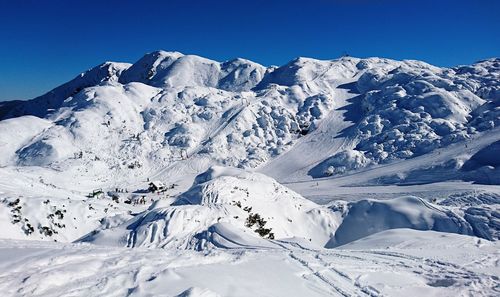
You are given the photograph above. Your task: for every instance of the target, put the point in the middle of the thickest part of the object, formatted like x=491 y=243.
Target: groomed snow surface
x=349 y=177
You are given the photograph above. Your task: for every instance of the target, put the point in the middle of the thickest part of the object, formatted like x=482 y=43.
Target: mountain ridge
x=170 y=101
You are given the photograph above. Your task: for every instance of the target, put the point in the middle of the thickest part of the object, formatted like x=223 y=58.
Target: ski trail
x=318 y=275
x=336 y=280
x=323 y=186
x=324 y=141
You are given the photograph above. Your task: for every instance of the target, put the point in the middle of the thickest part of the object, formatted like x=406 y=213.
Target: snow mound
x=228 y=208
x=414 y=239
x=224 y=235
x=342 y=162
x=484 y=166
x=366 y=217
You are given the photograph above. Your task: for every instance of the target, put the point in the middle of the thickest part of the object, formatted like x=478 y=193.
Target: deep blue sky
x=45 y=43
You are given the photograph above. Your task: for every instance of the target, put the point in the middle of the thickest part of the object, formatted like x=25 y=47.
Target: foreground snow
x=395 y=263
x=199 y=243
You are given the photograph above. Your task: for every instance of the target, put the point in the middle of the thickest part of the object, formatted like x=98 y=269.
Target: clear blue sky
x=46 y=43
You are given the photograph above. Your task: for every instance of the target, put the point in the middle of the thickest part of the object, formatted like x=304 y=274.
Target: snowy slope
x=229 y=208
x=306 y=119
x=43 y=105
x=315 y=125
x=395 y=263
x=226 y=205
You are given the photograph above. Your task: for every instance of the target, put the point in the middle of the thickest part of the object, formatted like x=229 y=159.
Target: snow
x=366 y=217
x=43 y=105
x=173 y=69
x=346 y=177
x=390 y=263
x=21 y=130
x=218 y=211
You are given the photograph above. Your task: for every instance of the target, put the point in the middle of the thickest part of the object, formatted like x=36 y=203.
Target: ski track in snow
x=65 y=270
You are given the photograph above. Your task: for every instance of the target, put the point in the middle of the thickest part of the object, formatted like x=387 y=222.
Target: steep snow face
x=484 y=166
x=173 y=69
x=228 y=208
x=412 y=108
x=482 y=78
x=265 y=127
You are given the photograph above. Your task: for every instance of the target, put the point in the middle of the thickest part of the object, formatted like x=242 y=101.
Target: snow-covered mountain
x=300 y=161
x=239 y=113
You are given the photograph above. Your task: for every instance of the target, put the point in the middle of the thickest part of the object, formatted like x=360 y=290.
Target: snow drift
x=367 y=217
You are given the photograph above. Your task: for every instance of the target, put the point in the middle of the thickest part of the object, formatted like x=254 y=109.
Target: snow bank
x=484 y=166
x=415 y=240
x=366 y=217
